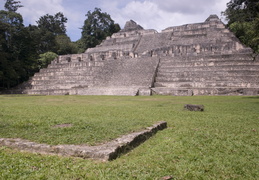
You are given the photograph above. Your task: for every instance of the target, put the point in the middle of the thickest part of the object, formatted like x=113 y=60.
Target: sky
x=150 y=14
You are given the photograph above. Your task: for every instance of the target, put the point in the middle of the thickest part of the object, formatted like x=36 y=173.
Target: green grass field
x=219 y=143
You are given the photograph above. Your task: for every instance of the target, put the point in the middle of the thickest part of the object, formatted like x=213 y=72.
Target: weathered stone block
x=193 y=107
x=144 y=92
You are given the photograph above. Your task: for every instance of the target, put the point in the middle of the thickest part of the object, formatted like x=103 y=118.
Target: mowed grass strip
x=219 y=143
x=91 y=120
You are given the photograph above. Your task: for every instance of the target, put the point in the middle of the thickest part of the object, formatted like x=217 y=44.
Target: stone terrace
x=193 y=59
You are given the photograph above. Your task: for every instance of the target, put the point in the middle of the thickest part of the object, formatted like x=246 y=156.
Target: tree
x=12 y=6
x=64 y=45
x=11 y=39
x=18 y=47
x=53 y=36
x=47 y=41
x=97 y=27
x=54 y=24
x=46 y=58
x=243 y=20
x=81 y=46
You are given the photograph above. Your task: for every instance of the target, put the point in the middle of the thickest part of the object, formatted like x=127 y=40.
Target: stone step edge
x=201 y=88
x=105 y=152
x=205 y=91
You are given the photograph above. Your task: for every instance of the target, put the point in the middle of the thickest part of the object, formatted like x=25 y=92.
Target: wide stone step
x=71 y=64
x=48 y=92
x=66 y=73
x=122 y=40
x=61 y=86
x=119 y=91
x=216 y=57
x=195 y=27
x=205 y=91
x=69 y=69
x=209 y=77
x=207 y=73
x=77 y=64
x=126 y=47
x=209 y=68
x=61 y=82
x=64 y=69
x=208 y=63
x=207 y=84
x=69 y=78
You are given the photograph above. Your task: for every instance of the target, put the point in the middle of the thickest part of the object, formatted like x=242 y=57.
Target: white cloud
x=184 y=6
x=33 y=9
x=150 y=14
x=157 y=14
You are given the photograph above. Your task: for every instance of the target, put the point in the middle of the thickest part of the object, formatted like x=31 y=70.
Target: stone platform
x=194 y=59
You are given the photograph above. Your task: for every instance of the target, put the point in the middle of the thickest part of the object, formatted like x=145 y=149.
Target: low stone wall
x=106 y=152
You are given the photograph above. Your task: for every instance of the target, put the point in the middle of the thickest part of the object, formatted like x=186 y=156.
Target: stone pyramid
x=194 y=59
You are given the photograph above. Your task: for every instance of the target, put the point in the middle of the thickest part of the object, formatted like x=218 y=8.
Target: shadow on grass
x=252 y=97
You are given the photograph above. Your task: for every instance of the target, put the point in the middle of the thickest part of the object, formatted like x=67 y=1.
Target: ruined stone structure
x=193 y=59
x=107 y=151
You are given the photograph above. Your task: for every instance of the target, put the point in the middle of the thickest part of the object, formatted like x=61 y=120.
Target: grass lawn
x=219 y=143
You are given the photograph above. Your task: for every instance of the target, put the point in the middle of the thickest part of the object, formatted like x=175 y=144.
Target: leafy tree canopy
x=64 y=45
x=55 y=24
x=12 y=5
x=46 y=58
x=97 y=27
x=243 y=20
x=12 y=45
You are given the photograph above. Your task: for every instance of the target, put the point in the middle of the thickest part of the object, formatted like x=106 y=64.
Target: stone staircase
x=208 y=75
x=61 y=78
x=110 y=77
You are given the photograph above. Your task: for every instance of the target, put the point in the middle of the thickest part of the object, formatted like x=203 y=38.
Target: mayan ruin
x=194 y=59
